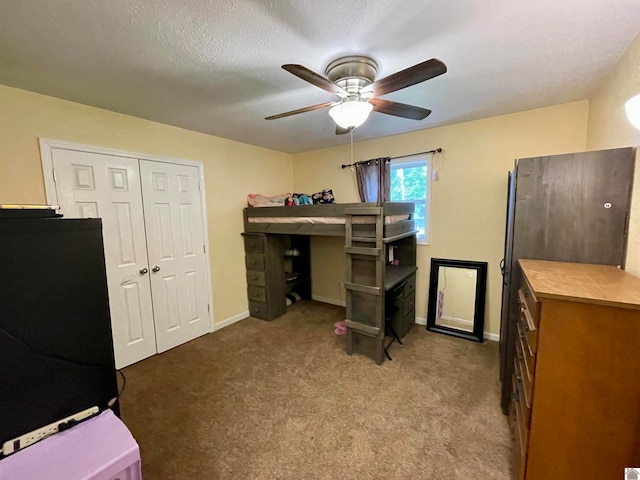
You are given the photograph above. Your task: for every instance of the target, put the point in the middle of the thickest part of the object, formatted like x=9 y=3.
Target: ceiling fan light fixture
x=351 y=113
x=632 y=108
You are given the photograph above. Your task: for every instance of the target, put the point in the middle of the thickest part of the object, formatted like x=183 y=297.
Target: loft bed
x=380 y=248
x=330 y=219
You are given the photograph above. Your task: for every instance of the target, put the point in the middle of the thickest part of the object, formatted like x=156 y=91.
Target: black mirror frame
x=481 y=287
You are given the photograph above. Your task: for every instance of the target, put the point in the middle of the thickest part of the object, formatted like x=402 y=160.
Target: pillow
x=257 y=200
x=325 y=196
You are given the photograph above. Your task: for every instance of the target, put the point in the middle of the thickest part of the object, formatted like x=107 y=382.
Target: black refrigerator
x=568 y=208
x=56 y=348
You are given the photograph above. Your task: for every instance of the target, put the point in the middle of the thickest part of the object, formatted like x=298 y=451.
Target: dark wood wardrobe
x=569 y=208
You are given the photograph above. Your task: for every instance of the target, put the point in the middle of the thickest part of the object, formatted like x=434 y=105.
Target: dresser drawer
x=526 y=298
x=529 y=358
x=259 y=310
x=523 y=413
x=523 y=408
x=254 y=277
x=410 y=286
x=519 y=437
x=521 y=375
x=253 y=244
x=257 y=294
x=529 y=329
x=254 y=261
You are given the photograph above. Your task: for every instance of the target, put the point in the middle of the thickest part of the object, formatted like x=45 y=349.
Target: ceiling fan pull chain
x=351 y=134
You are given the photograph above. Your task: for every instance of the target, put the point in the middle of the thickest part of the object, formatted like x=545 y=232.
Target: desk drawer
x=255 y=277
x=257 y=294
x=254 y=261
x=408 y=321
x=410 y=286
x=408 y=304
x=253 y=243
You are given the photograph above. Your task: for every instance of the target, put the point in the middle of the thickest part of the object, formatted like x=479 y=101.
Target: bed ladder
x=365 y=297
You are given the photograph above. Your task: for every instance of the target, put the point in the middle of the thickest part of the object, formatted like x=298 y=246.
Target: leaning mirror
x=457 y=298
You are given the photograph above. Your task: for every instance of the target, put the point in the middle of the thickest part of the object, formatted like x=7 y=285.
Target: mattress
x=328 y=220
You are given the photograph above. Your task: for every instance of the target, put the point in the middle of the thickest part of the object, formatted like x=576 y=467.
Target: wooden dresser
x=575 y=408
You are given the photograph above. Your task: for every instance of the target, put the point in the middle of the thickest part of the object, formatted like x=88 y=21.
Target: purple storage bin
x=101 y=448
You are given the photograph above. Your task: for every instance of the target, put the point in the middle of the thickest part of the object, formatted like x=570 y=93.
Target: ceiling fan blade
x=342 y=131
x=301 y=110
x=407 y=77
x=399 y=109
x=314 y=78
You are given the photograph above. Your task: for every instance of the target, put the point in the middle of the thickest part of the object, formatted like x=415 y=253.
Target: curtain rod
x=436 y=150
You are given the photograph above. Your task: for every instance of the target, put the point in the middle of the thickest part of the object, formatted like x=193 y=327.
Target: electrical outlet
x=30 y=438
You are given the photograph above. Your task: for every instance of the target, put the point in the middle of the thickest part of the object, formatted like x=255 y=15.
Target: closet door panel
x=175 y=239
x=90 y=185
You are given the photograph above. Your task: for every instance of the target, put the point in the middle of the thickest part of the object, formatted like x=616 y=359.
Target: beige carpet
x=281 y=400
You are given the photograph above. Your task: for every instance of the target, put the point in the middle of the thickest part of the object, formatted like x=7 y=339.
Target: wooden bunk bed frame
x=370 y=279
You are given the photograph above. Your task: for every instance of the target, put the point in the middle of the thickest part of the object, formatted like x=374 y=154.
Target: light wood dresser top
x=581 y=282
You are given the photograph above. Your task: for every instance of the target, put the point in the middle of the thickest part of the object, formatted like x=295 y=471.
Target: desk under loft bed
x=380 y=249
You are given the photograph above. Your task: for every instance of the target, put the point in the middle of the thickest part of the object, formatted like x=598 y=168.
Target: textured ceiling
x=214 y=66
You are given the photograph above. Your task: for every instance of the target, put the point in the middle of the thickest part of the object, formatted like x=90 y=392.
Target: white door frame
x=46 y=155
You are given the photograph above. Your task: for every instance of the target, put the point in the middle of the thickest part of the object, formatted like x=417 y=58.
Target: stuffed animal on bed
x=298 y=199
x=304 y=200
x=325 y=196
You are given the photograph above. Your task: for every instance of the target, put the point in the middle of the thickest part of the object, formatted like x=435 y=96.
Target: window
x=410 y=182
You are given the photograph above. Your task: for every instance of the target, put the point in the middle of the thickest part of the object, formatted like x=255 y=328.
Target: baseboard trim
x=230 y=321
x=456 y=319
x=331 y=301
x=494 y=337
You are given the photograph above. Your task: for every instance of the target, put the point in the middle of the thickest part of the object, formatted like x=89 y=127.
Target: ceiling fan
x=352 y=80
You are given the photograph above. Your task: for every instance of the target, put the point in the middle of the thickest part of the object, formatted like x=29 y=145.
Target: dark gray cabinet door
x=573 y=208
x=568 y=208
x=505 y=268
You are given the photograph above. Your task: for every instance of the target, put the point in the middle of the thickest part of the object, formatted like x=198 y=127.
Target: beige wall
x=232 y=170
x=469 y=198
x=608 y=128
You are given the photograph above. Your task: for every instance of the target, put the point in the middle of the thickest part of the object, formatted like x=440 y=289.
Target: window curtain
x=373 y=180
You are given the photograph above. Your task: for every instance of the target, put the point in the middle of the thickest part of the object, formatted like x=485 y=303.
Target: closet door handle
x=144 y=271
x=155 y=269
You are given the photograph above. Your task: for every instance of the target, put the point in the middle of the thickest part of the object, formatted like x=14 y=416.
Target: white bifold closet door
x=175 y=240
x=154 y=245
